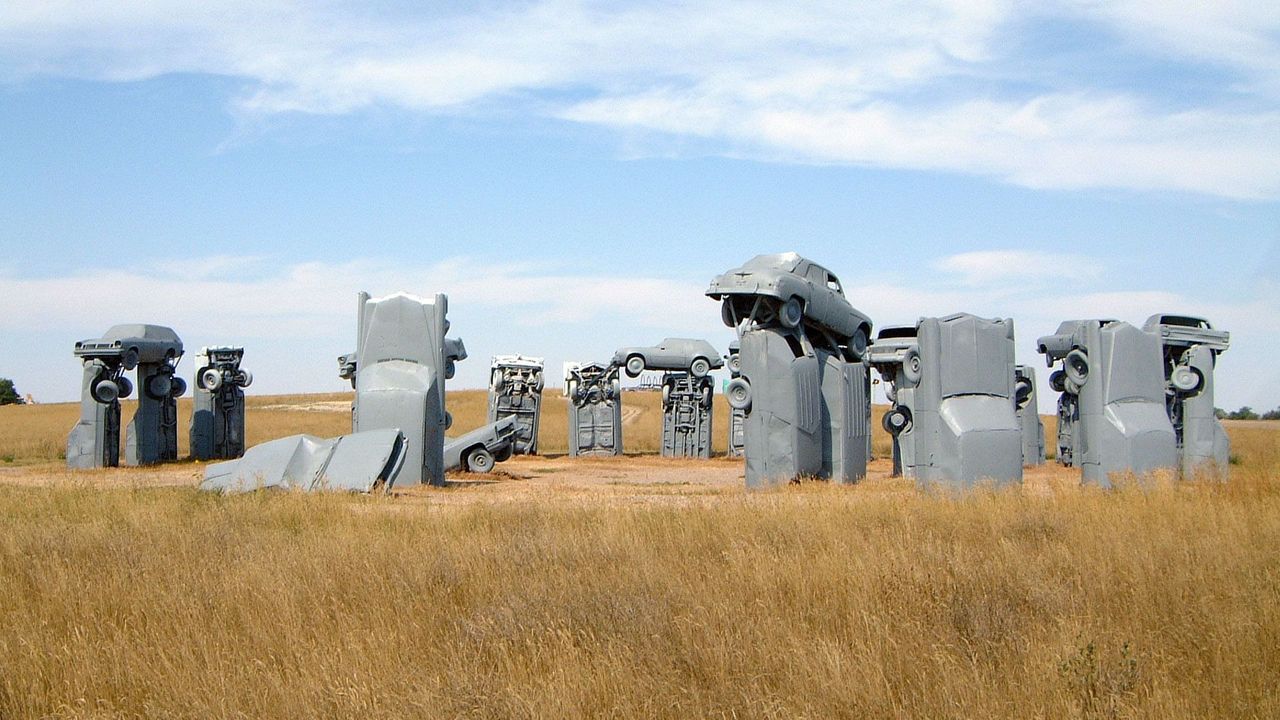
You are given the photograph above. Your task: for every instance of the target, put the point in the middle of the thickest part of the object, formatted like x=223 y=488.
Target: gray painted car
x=478 y=450
x=790 y=290
x=133 y=344
x=698 y=357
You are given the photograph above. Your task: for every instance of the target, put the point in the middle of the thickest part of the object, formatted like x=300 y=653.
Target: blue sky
x=572 y=174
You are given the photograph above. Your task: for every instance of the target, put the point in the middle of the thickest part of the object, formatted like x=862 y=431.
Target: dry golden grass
x=37 y=433
x=1156 y=600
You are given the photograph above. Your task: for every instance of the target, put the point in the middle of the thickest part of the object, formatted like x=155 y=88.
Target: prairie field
x=630 y=587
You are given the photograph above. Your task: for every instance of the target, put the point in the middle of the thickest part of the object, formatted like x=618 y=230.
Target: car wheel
x=479 y=460
x=537 y=382
x=448 y=419
x=1076 y=366
x=912 y=369
x=1022 y=393
x=177 y=387
x=726 y=313
x=126 y=387
x=735 y=363
x=1058 y=381
x=159 y=386
x=210 y=379
x=791 y=313
x=897 y=420
x=244 y=379
x=450 y=367
x=105 y=391
x=635 y=365
x=506 y=452
x=1186 y=380
x=699 y=367
x=130 y=358
x=858 y=343
x=738 y=393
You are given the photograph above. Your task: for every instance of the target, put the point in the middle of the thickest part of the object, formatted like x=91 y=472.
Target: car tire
x=1021 y=393
x=1058 y=381
x=666 y=394
x=912 y=369
x=1186 y=380
x=635 y=365
x=738 y=393
x=1076 y=366
x=735 y=363
x=126 y=387
x=130 y=359
x=897 y=420
x=104 y=391
x=858 y=343
x=506 y=452
x=448 y=419
x=791 y=313
x=538 y=382
x=158 y=387
x=726 y=313
x=209 y=379
x=450 y=367
x=244 y=379
x=699 y=367
x=479 y=460
x=177 y=387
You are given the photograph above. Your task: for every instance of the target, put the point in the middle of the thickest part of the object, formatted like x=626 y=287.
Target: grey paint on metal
x=1112 y=416
x=846 y=417
x=398 y=371
x=360 y=462
x=896 y=356
x=595 y=409
x=790 y=292
x=1026 y=402
x=94 y=442
x=959 y=415
x=152 y=434
x=217 y=421
x=737 y=417
x=1191 y=348
x=803 y=390
x=698 y=357
x=686 y=415
x=478 y=450
x=515 y=390
x=781 y=392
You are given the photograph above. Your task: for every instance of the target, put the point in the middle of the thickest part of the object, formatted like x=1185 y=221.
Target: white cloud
x=931 y=86
x=296 y=319
x=993 y=268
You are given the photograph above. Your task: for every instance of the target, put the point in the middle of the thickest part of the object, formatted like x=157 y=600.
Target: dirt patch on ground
x=336 y=406
x=626 y=480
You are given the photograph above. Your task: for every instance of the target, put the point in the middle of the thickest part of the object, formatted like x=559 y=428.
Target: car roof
x=788 y=261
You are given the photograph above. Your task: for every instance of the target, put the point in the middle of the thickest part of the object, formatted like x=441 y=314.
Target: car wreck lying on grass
x=478 y=450
x=360 y=462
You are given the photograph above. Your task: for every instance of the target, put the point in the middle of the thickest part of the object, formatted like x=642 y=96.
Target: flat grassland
x=630 y=587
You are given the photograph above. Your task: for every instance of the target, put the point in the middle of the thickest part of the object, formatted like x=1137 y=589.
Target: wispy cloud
x=938 y=85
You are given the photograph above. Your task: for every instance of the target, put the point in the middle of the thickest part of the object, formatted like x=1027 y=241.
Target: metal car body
x=595 y=409
x=697 y=357
x=515 y=389
x=152 y=434
x=791 y=289
x=1112 y=416
x=1191 y=348
x=217 y=418
x=478 y=450
x=360 y=462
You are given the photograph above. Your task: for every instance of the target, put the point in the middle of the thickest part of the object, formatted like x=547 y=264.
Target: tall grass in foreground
x=811 y=601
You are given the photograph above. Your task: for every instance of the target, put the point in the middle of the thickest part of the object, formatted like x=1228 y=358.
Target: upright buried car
x=698 y=357
x=790 y=290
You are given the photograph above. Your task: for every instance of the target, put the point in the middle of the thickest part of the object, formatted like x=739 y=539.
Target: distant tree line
x=1247 y=413
x=8 y=393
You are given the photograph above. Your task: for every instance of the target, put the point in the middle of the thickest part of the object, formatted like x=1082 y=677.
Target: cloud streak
x=936 y=86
